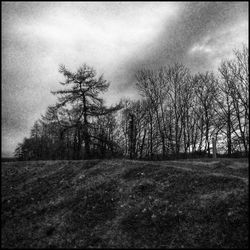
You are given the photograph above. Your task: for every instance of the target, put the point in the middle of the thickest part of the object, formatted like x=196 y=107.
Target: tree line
x=177 y=115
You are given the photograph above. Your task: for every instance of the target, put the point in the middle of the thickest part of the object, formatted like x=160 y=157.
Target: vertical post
x=214 y=147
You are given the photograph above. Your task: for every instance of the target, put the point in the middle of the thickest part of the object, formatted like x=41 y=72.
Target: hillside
x=123 y=203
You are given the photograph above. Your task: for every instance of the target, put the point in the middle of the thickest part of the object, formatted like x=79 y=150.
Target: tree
x=234 y=98
x=178 y=78
x=151 y=85
x=19 y=154
x=205 y=89
x=81 y=98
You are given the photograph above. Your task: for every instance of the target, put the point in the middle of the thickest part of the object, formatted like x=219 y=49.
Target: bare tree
x=205 y=89
x=151 y=85
x=234 y=101
x=178 y=79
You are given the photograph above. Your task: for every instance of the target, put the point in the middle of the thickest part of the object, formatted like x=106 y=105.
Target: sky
x=116 y=38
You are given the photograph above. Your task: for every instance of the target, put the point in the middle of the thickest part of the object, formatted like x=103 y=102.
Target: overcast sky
x=116 y=38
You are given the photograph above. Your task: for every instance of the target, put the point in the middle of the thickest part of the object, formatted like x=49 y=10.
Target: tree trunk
x=132 y=137
x=229 y=140
x=79 y=143
x=207 y=135
x=151 y=137
x=86 y=134
x=142 y=145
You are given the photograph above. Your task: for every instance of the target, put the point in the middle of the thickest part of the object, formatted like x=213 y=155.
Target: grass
x=125 y=204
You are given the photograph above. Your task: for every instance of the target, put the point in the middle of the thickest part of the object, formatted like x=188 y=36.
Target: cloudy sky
x=116 y=38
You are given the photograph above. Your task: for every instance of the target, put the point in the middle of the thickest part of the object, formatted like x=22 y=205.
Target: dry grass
x=122 y=203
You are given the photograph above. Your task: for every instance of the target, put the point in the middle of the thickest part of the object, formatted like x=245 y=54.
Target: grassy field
x=123 y=203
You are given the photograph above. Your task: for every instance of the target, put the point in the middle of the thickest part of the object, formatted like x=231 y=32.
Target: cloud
x=100 y=39
x=209 y=51
x=37 y=37
x=196 y=24
x=116 y=38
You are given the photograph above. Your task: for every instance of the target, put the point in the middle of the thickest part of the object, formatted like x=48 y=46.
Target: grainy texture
x=123 y=203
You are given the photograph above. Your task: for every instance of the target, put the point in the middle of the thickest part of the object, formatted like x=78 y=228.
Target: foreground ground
x=122 y=203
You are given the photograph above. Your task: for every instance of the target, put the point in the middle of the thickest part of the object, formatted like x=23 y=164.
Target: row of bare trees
x=178 y=114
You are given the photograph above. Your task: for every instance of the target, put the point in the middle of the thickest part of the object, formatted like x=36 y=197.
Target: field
x=124 y=203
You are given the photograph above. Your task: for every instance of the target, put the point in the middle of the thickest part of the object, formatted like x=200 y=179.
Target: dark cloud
x=195 y=20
